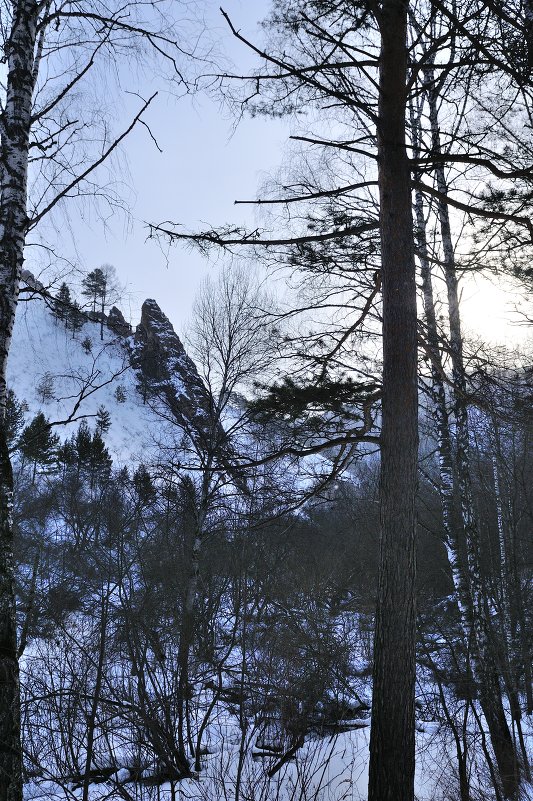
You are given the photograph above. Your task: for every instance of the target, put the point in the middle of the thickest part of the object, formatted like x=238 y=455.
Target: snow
x=42 y=345
x=327 y=768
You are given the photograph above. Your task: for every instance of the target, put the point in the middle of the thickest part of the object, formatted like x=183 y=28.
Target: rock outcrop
x=117 y=323
x=169 y=378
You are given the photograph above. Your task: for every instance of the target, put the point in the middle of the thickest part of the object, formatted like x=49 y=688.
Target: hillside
x=85 y=372
x=185 y=633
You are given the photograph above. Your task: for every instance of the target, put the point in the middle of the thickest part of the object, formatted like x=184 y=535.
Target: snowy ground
x=41 y=345
x=326 y=769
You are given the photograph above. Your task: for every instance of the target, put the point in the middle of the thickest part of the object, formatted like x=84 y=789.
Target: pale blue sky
x=204 y=167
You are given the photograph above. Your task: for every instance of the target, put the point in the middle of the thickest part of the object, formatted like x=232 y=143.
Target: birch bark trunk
x=186 y=640
x=15 y=130
x=392 y=739
x=444 y=439
x=92 y=717
x=483 y=657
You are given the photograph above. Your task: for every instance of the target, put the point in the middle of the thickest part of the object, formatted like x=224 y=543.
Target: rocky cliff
x=169 y=380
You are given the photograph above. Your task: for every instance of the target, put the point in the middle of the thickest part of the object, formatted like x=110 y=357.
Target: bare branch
x=105 y=155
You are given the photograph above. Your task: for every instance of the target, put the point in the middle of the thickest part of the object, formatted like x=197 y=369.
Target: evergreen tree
x=38 y=445
x=143 y=484
x=120 y=394
x=14 y=420
x=100 y=460
x=103 y=420
x=76 y=450
x=94 y=287
x=82 y=444
x=101 y=288
x=62 y=304
x=76 y=318
x=85 y=452
x=66 y=453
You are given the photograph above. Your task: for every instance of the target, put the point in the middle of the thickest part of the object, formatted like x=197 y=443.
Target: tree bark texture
x=392 y=739
x=15 y=127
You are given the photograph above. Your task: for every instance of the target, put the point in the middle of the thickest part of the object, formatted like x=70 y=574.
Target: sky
x=206 y=163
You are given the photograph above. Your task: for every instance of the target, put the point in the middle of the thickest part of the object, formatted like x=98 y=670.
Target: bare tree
x=233 y=336
x=51 y=50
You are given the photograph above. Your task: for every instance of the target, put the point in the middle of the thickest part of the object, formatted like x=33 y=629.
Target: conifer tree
x=85 y=452
x=15 y=416
x=144 y=486
x=94 y=287
x=75 y=451
x=98 y=286
x=82 y=444
x=120 y=394
x=38 y=445
x=62 y=304
x=103 y=420
x=75 y=318
x=99 y=458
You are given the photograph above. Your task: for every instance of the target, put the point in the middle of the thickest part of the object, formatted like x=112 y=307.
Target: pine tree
x=82 y=444
x=14 y=420
x=38 y=445
x=85 y=452
x=67 y=453
x=103 y=420
x=62 y=304
x=99 y=286
x=76 y=318
x=144 y=486
x=94 y=287
x=120 y=394
x=100 y=460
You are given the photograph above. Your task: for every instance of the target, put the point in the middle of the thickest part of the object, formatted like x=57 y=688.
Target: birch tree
x=50 y=52
x=325 y=55
x=477 y=150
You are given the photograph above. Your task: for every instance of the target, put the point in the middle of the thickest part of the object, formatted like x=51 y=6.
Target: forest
x=287 y=553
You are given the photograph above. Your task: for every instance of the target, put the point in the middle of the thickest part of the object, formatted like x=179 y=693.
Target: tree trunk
x=186 y=639
x=528 y=29
x=392 y=739
x=483 y=656
x=10 y=747
x=15 y=128
x=91 y=719
x=450 y=521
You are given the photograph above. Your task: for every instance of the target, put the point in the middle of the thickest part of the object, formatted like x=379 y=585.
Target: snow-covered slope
x=43 y=347
x=69 y=376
